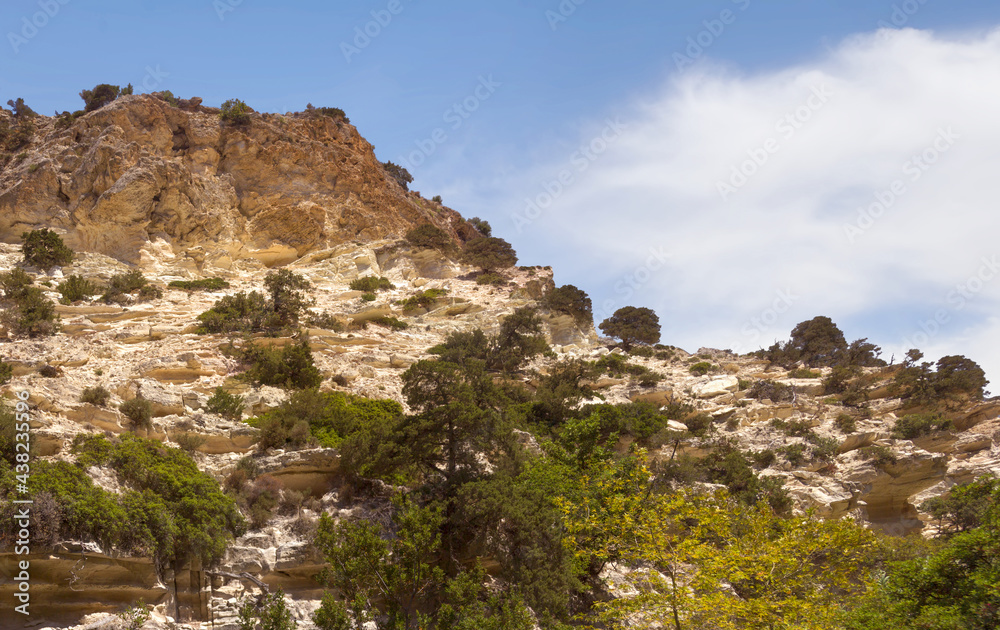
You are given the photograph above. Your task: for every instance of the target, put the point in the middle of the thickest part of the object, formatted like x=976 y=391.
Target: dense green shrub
x=702 y=368
x=398 y=174
x=76 y=288
x=97 y=396
x=45 y=249
x=912 y=426
x=371 y=284
x=795 y=454
x=291 y=367
x=965 y=506
x=15 y=284
x=483 y=227
x=573 y=302
x=431 y=237
x=846 y=423
x=190 y=442
x=880 y=456
x=632 y=325
x=6 y=372
x=139 y=411
x=21 y=110
x=102 y=94
x=423 y=299
x=368 y=297
x=121 y=285
x=225 y=404
x=285 y=289
x=491 y=280
x=202 y=284
x=804 y=373
x=331 y=112
x=792 y=428
x=242 y=312
x=437 y=199
x=235 y=112
x=389 y=322
x=489 y=253
x=771 y=390
x=32 y=315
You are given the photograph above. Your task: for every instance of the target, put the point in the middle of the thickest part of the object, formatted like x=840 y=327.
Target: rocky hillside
x=143 y=180
x=141 y=184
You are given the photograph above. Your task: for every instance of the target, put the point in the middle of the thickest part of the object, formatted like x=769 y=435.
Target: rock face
x=140 y=177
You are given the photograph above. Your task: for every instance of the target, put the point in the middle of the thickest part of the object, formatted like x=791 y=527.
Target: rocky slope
x=140 y=182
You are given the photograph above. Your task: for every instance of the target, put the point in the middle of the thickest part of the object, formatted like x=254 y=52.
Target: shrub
x=150 y=292
x=483 y=227
x=76 y=288
x=33 y=315
x=368 y=297
x=287 y=301
x=431 y=237
x=189 y=442
x=6 y=372
x=803 y=373
x=225 y=404
x=879 y=455
x=633 y=325
x=824 y=449
x=423 y=299
x=20 y=109
x=49 y=371
x=15 y=283
x=491 y=279
x=371 y=284
x=795 y=454
x=792 y=428
x=45 y=249
x=331 y=112
x=399 y=174
x=203 y=284
x=269 y=612
x=572 y=301
x=389 y=322
x=139 y=411
x=242 y=312
x=235 y=112
x=702 y=368
x=965 y=506
x=102 y=94
x=97 y=396
x=135 y=616
x=771 y=390
x=846 y=423
x=763 y=459
x=916 y=425
x=437 y=199
x=290 y=367
x=489 y=254
x=122 y=284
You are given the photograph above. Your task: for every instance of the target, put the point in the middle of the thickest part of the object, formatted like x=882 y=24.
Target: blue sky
x=648 y=145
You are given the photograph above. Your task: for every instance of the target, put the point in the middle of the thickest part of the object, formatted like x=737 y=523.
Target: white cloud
x=861 y=118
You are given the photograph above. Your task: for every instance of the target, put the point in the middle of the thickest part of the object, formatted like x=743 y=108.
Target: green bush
x=880 y=456
x=399 y=174
x=389 y=322
x=572 y=301
x=368 y=297
x=190 y=442
x=804 y=373
x=437 y=199
x=795 y=454
x=225 y=404
x=489 y=253
x=331 y=112
x=45 y=249
x=423 y=299
x=846 y=423
x=203 y=284
x=97 y=396
x=371 y=284
x=912 y=426
x=431 y=237
x=15 y=284
x=242 y=312
x=771 y=390
x=792 y=428
x=76 y=288
x=139 y=411
x=122 y=284
x=103 y=94
x=33 y=315
x=6 y=372
x=491 y=279
x=235 y=112
x=702 y=368
x=483 y=227
x=823 y=449
x=290 y=367
x=632 y=325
